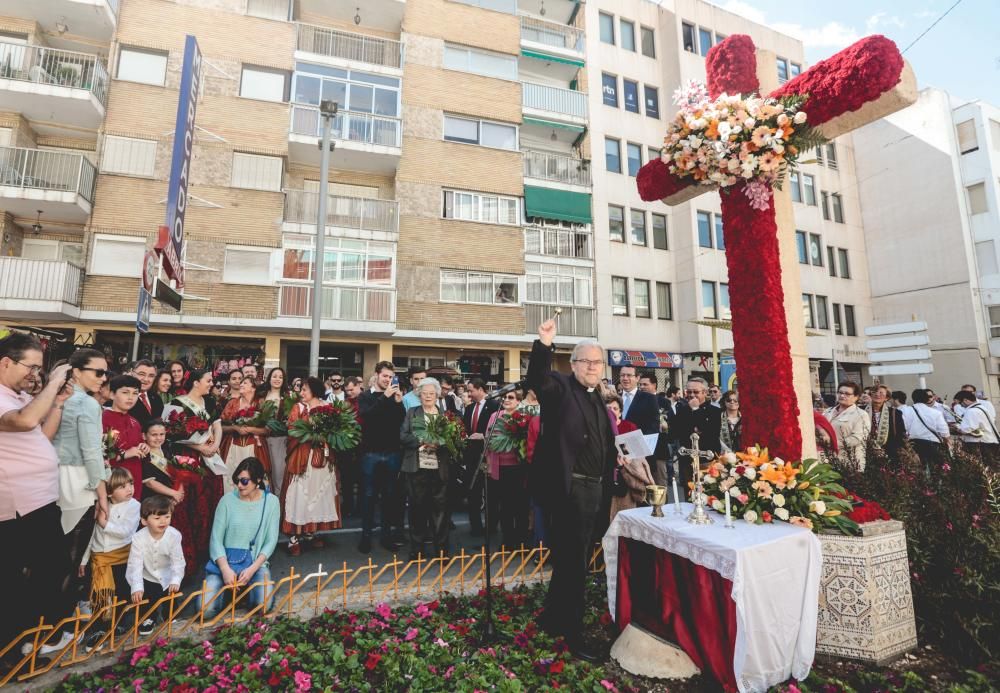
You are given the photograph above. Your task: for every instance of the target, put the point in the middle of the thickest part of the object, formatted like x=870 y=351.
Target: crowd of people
x=126 y=485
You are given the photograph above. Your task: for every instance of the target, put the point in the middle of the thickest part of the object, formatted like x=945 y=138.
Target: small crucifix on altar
x=698 y=516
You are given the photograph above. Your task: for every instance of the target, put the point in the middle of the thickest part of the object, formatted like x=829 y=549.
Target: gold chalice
x=656 y=496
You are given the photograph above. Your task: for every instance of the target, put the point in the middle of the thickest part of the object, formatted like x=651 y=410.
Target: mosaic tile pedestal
x=865 y=602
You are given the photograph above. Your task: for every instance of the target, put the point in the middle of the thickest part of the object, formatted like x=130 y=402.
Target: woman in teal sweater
x=246 y=519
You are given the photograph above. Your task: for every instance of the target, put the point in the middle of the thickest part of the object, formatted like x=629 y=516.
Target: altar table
x=742 y=603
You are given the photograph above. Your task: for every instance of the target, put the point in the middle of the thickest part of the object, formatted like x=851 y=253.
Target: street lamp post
x=327 y=112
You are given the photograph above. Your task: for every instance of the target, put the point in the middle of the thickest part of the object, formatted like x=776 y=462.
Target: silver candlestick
x=698 y=516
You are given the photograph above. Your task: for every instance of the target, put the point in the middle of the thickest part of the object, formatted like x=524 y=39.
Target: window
x=826 y=204
x=986 y=258
x=247 y=266
x=641 y=288
x=720 y=237
x=845 y=267
x=488 y=209
x=117 y=256
x=652 y=153
x=616 y=223
x=819 y=155
x=634 y=153
x=264 y=84
x=994 y=312
x=838 y=326
x=43 y=249
x=782 y=70
x=345 y=261
x=354 y=90
x=815 y=250
x=808 y=312
x=482 y=132
x=145 y=66
x=628 y=35
x=607 y=23
x=967 y=136
x=977 y=199
x=852 y=330
x=630 y=92
x=612 y=155
x=719 y=38
x=822 y=313
x=619 y=296
x=838 y=207
x=809 y=189
x=705 y=229
x=831 y=260
x=704 y=40
x=659 y=231
x=129 y=156
x=831 y=155
x=609 y=89
x=637 y=217
x=558 y=284
x=664 y=305
x=726 y=313
x=800 y=244
x=648 y=42
x=5 y=136
x=795 y=187
x=480 y=62
x=687 y=34
x=478 y=287
x=652 y=101
x=794 y=70
x=709 y=308
x=256 y=172
x=269 y=9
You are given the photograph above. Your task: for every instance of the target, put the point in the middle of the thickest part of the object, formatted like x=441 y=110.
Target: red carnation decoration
x=732 y=66
x=656 y=182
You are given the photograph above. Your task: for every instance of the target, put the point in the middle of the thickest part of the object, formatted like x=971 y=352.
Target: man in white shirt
x=715 y=396
x=926 y=428
x=985 y=403
x=979 y=434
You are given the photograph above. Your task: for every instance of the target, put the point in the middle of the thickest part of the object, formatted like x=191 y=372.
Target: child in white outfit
x=156 y=561
x=108 y=550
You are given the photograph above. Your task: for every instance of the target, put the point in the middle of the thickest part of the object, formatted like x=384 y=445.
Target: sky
x=961 y=54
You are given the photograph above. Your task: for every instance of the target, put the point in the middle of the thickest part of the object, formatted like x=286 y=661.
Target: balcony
x=83 y=22
x=541 y=33
x=365 y=141
x=385 y=15
x=345 y=46
x=557 y=168
x=554 y=242
x=47 y=85
x=554 y=103
x=59 y=185
x=372 y=219
x=39 y=288
x=572 y=322
x=370 y=309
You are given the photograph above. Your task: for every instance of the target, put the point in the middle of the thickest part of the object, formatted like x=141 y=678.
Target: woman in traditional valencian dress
x=276 y=390
x=240 y=441
x=200 y=499
x=309 y=495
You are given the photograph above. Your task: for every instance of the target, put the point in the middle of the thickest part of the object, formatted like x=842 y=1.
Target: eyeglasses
x=35 y=370
x=243 y=481
x=591 y=363
x=510 y=397
x=694 y=392
x=732 y=401
x=99 y=372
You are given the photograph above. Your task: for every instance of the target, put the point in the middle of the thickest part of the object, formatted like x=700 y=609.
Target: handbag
x=239 y=559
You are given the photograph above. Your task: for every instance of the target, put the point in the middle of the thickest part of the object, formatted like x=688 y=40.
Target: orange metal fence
x=293 y=595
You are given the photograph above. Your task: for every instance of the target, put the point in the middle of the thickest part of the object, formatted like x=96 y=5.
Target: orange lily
x=754 y=457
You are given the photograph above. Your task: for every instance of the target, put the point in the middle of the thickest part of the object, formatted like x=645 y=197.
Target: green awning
x=553 y=124
x=551 y=58
x=550 y=203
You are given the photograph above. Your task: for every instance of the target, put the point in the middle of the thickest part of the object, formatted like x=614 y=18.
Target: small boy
x=156 y=561
x=125 y=391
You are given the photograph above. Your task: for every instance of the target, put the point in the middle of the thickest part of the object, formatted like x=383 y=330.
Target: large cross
x=862 y=83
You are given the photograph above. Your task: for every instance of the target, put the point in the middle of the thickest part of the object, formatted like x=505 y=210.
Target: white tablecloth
x=775 y=570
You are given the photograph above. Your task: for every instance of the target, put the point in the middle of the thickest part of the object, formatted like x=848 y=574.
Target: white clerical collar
x=591 y=389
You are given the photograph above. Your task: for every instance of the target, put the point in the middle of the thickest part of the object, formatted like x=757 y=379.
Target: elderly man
x=149 y=405
x=574 y=465
x=701 y=417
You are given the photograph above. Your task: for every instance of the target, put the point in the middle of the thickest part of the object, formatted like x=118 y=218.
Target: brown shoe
x=317 y=543
x=294 y=548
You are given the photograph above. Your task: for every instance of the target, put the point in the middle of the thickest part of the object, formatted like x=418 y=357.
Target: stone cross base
x=643 y=654
x=865 y=602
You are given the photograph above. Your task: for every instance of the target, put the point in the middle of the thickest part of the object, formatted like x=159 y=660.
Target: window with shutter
x=247 y=266
x=117 y=256
x=967 y=136
x=256 y=172
x=128 y=156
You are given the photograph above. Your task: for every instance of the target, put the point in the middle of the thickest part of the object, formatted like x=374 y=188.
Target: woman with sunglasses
x=852 y=424
x=508 y=479
x=732 y=422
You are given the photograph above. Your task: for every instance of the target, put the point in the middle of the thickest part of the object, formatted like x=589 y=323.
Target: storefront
x=346 y=359
x=220 y=354
x=666 y=367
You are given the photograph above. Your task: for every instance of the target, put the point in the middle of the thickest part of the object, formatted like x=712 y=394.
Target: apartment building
x=930 y=203
x=460 y=197
x=662 y=280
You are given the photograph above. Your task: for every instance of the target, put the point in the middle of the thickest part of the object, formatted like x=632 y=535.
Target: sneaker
x=94 y=642
x=147 y=627
x=49 y=647
x=294 y=548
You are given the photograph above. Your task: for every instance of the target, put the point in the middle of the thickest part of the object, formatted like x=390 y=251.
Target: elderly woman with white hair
x=425 y=470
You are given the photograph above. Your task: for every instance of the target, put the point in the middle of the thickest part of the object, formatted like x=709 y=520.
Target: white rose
x=708 y=479
x=750 y=473
x=782 y=119
x=799 y=118
x=728 y=458
x=750 y=516
x=818 y=507
x=735 y=492
x=717 y=505
x=695 y=142
x=749 y=123
x=778 y=500
x=781 y=514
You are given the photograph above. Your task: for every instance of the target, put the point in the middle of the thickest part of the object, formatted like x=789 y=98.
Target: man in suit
x=701 y=417
x=638 y=406
x=449 y=401
x=149 y=405
x=477 y=418
x=573 y=474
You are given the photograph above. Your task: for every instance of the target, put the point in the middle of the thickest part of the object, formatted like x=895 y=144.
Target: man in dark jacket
x=573 y=473
x=638 y=406
x=701 y=417
x=477 y=421
x=149 y=405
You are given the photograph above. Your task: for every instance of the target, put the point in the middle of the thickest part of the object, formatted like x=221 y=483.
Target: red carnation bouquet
x=446 y=431
x=184 y=426
x=333 y=426
x=253 y=416
x=865 y=510
x=511 y=433
x=184 y=469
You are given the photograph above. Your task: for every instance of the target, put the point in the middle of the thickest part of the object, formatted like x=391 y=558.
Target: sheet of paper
x=633 y=445
x=216 y=464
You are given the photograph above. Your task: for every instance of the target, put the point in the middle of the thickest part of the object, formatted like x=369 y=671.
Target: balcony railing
x=302 y=207
x=43 y=65
x=40 y=280
x=339 y=303
x=348 y=125
x=552 y=34
x=555 y=99
x=556 y=167
x=47 y=170
x=573 y=322
x=558 y=243
x=349 y=45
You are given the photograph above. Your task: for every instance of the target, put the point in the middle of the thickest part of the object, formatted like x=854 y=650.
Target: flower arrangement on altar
x=334 y=426
x=183 y=425
x=109 y=445
x=511 y=433
x=737 y=139
x=447 y=430
x=762 y=489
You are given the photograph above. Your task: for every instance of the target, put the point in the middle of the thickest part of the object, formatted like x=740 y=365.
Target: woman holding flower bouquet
x=310 y=497
x=508 y=475
x=277 y=392
x=244 y=431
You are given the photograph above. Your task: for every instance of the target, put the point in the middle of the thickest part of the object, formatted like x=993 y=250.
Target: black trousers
x=428 y=494
x=32 y=571
x=76 y=588
x=509 y=505
x=571 y=535
x=474 y=491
